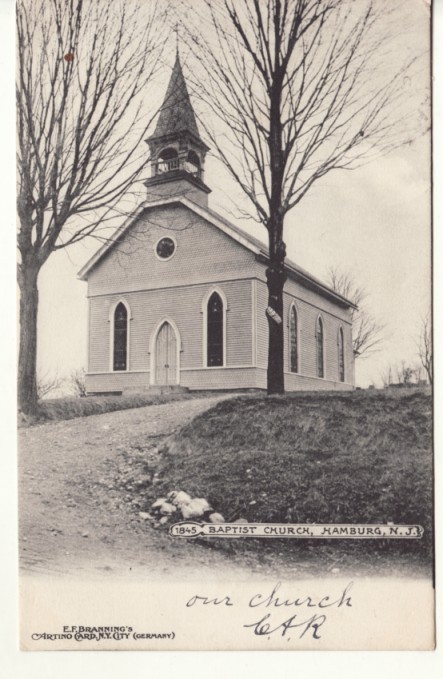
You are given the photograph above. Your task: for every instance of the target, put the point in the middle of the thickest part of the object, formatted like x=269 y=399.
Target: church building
x=178 y=298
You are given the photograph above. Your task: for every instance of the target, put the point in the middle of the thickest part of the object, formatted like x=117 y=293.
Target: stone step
x=157 y=389
x=168 y=389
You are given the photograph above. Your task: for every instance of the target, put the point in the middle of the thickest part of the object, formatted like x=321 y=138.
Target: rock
x=335 y=570
x=253 y=502
x=241 y=520
x=145 y=516
x=143 y=480
x=179 y=498
x=167 y=508
x=216 y=518
x=158 y=503
x=164 y=520
x=85 y=535
x=195 y=509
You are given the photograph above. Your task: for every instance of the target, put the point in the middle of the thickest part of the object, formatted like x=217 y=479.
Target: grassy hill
x=360 y=457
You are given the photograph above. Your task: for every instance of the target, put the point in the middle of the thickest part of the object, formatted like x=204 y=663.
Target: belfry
x=177 y=150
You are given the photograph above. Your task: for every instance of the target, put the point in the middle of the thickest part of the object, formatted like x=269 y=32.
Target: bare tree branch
x=367 y=333
x=425 y=347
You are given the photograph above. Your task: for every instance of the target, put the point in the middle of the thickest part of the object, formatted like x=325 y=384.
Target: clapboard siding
x=333 y=317
x=123 y=381
x=305 y=383
x=99 y=336
x=262 y=324
x=203 y=254
x=213 y=378
x=183 y=306
x=222 y=378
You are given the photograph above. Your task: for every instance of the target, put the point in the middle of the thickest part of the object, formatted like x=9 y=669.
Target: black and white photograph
x=225 y=325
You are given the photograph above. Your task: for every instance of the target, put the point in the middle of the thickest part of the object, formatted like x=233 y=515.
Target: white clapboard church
x=179 y=297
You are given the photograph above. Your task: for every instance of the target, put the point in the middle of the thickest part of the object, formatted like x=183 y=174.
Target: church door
x=166 y=356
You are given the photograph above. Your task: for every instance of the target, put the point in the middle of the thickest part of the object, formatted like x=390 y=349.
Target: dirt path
x=80 y=504
x=74 y=518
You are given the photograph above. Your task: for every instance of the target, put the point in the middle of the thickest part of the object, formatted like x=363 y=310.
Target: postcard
x=225 y=364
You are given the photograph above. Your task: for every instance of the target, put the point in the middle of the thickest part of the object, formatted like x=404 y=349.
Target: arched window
x=341 y=355
x=193 y=158
x=320 y=340
x=120 y=358
x=167 y=160
x=215 y=330
x=193 y=164
x=168 y=153
x=293 y=340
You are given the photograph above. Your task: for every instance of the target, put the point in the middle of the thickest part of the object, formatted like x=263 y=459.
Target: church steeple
x=177 y=150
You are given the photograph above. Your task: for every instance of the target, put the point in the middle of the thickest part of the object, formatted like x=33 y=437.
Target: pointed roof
x=176 y=113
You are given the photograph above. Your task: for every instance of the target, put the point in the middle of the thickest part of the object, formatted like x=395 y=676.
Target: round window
x=165 y=248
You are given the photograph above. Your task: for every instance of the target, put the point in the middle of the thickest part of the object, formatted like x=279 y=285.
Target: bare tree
x=78 y=383
x=387 y=376
x=83 y=67
x=48 y=383
x=405 y=373
x=366 y=332
x=402 y=374
x=298 y=88
x=425 y=350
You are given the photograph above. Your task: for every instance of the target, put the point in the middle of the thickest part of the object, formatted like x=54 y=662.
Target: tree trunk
x=27 y=361
x=276 y=277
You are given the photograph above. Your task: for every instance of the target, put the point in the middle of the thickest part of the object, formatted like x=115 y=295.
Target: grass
x=67 y=408
x=360 y=457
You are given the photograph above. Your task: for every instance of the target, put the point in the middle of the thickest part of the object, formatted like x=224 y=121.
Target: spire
x=177 y=150
x=176 y=113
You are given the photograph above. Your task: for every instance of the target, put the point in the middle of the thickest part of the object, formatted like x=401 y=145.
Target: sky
x=373 y=222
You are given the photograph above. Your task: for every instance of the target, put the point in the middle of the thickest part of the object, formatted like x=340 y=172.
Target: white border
x=195 y=665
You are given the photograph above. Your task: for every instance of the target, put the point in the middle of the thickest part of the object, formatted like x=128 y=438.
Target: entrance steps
x=167 y=389
x=157 y=389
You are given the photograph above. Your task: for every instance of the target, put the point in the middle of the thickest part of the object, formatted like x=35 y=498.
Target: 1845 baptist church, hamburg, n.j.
x=178 y=297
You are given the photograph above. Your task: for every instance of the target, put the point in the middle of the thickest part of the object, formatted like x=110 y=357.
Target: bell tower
x=177 y=150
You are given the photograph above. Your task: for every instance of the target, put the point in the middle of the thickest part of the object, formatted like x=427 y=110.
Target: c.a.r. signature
x=264 y=626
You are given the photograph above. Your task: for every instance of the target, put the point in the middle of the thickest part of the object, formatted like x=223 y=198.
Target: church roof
x=176 y=113
x=249 y=242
